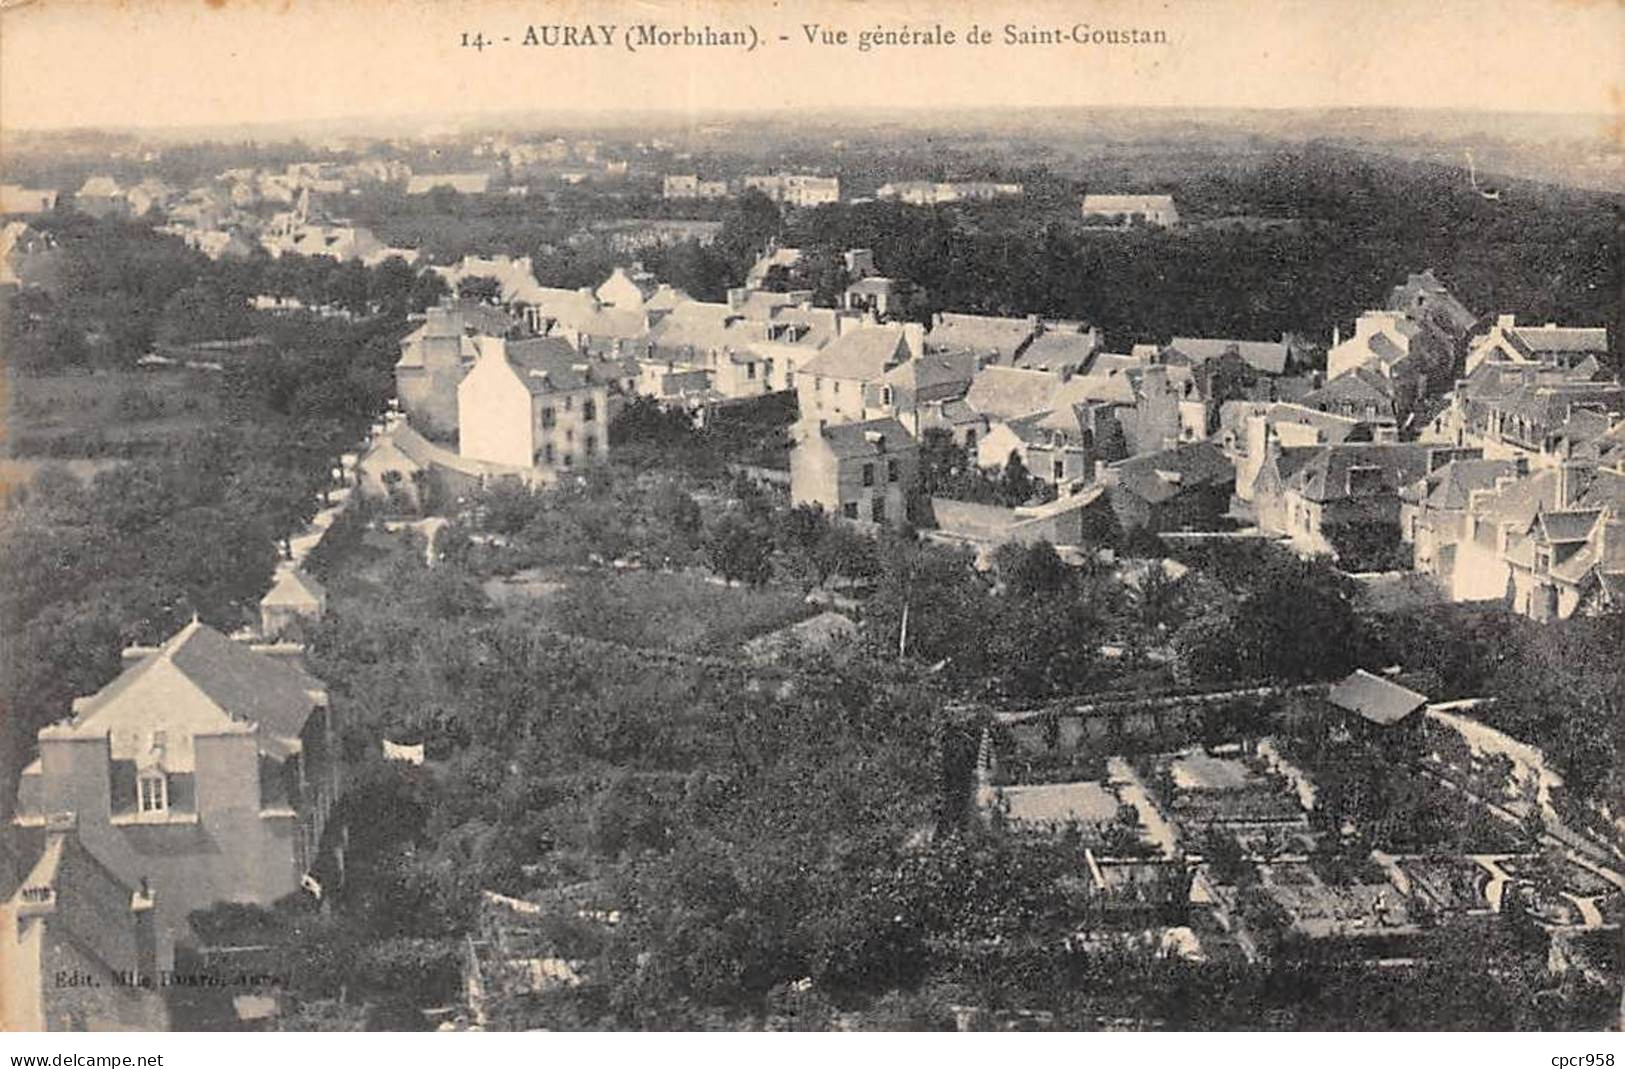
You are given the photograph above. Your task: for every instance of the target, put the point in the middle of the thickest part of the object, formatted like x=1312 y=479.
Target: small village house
x=846 y=382
x=1187 y=487
x=532 y=403
x=862 y=472
x=1307 y=492
x=293 y=606
x=1552 y=346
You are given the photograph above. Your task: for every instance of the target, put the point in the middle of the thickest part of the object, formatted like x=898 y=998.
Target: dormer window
x=152 y=792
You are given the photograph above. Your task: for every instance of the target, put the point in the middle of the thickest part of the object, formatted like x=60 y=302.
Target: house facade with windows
x=1303 y=492
x=846 y=382
x=798 y=190
x=206 y=771
x=1381 y=338
x=533 y=403
x=861 y=472
x=1548 y=544
x=1510 y=409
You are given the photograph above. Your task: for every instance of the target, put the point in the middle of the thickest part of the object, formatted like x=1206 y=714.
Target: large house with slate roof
x=205 y=771
x=1568 y=348
x=1302 y=492
x=532 y=403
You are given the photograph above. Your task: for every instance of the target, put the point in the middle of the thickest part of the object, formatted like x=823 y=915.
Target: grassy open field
x=105 y=414
x=654 y=610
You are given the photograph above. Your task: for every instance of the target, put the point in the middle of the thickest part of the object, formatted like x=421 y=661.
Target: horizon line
x=610 y=118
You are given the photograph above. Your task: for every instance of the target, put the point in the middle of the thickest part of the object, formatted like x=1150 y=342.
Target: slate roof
x=87 y=908
x=1517 y=504
x=293 y=588
x=1165 y=475
x=1568 y=525
x=1376 y=699
x=621 y=324
x=1452 y=486
x=871 y=438
x=1360 y=386
x=562 y=304
x=864 y=354
x=935 y=376
x=418 y=450
x=548 y=365
x=705 y=328
x=1437 y=302
x=958 y=410
x=1325 y=475
x=1107 y=363
x=820 y=325
x=1053 y=350
x=1266 y=356
x=1335 y=428
x=199 y=681
x=1007 y=392
x=1534 y=341
x=988 y=334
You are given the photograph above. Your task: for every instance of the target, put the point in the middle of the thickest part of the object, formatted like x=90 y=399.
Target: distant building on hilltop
x=470 y=184
x=798 y=190
x=929 y=193
x=102 y=197
x=691 y=187
x=1125 y=209
x=15 y=200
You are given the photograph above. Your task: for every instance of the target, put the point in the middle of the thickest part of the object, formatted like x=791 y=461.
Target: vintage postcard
x=727 y=515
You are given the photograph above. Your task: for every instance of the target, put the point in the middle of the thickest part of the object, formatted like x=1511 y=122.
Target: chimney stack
x=1568 y=484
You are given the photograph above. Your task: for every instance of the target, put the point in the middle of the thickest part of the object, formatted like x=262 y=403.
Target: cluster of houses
x=1490 y=453
x=1505 y=483
x=1102 y=210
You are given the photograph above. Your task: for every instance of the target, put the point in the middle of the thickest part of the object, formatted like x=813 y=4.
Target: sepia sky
x=229 y=62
